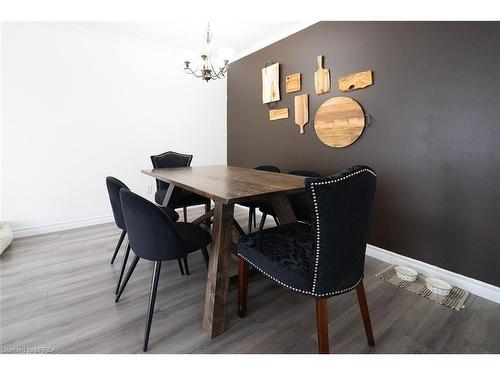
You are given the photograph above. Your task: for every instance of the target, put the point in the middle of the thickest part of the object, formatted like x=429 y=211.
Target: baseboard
x=60 y=226
x=479 y=288
x=79 y=223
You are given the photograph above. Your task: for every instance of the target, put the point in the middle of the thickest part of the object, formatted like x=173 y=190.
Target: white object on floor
x=406 y=273
x=6 y=236
x=438 y=286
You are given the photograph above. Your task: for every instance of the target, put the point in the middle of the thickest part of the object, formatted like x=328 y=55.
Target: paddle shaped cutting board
x=301 y=111
x=339 y=122
x=321 y=78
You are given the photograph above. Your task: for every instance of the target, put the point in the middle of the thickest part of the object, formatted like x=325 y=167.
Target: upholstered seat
x=283 y=253
x=180 y=198
x=193 y=236
x=253 y=205
x=154 y=236
x=321 y=259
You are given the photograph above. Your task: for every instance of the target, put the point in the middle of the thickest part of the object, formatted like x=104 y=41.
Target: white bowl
x=438 y=286
x=406 y=273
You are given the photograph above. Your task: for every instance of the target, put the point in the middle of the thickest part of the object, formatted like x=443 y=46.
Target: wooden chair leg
x=363 y=307
x=184 y=210
x=127 y=277
x=254 y=217
x=262 y=221
x=152 y=299
x=242 y=287
x=186 y=267
x=122 y=269
x=118 y=245
x=249 y=220
x=322 y=325
x=179 y=261
x=204 y=252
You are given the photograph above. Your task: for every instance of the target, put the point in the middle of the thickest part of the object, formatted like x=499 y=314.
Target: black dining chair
x=298 y=202
x=253 y=205
x=180 y=198
x=321 y=259
x=114 y=186
x=154 y=236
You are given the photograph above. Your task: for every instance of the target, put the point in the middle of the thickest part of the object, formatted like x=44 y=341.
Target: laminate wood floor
x=57 y=291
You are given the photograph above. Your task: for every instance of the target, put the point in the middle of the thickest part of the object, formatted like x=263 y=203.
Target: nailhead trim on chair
x=316 y=261
x=300 y=290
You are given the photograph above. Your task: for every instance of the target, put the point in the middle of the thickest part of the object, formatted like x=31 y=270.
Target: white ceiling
x=181 y=34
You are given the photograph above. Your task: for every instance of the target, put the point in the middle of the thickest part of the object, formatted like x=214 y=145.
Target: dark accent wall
x=434 y=141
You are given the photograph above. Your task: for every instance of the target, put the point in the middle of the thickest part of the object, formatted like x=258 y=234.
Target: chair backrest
x=268 y=168
x=340 y=208
x=170 y=159
x=298 y=201
x=114 y=185
x=151 y=233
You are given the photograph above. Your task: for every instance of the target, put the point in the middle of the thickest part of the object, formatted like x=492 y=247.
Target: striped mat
x=455 y=300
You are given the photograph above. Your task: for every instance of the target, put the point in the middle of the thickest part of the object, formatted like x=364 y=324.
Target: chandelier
x=208 y=68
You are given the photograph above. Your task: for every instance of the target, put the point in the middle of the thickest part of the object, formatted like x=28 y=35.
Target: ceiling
x=181 y=34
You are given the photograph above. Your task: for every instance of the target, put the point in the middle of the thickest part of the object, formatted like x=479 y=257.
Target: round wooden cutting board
x=339 y=121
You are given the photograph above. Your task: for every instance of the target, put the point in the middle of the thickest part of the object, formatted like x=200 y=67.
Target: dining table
x=227 y=186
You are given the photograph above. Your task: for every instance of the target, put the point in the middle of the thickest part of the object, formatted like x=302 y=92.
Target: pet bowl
x=406 y=273
x=437 y=286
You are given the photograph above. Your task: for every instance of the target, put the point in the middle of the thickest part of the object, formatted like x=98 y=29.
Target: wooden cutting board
x=292 y=82
x=301 y=111
x=278 y=114
x=321 y=78
x=271 y=83
x=356 y=81
x=339 y=122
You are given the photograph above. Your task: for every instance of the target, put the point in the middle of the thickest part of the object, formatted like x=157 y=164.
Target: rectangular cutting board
x=271 y=83
x=278 y=114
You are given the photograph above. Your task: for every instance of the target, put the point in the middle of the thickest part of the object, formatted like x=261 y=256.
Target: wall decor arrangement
x=271 y=83
x=321 y=78
x=339 y=121
x=293 y=82
x=301 y=111
x=356 y=81
x=278 y=114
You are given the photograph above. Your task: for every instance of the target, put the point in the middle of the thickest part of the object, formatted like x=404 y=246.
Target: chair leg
x=186 y=267
x=363 y=307
x=180 y=266
x=262 y=221
x=122 y=269
x=152 y=299
x=254 y=217
x=276 y=220
x=184 y=210
x=118 y=245
x=322 y=325
x=242 y=287
x=127 y=277
x=249 y=220
x=204 y=252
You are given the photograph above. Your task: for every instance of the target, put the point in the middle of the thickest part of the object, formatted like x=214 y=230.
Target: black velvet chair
x=298 y=202
x=114 y=186
x=253 y=205
x=180 y=198
x=154 y=236
x=321 y=259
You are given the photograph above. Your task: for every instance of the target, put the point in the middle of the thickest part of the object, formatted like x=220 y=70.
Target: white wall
x=78 y=105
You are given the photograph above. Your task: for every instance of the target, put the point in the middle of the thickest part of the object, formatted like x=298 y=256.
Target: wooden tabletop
x=227 y=184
